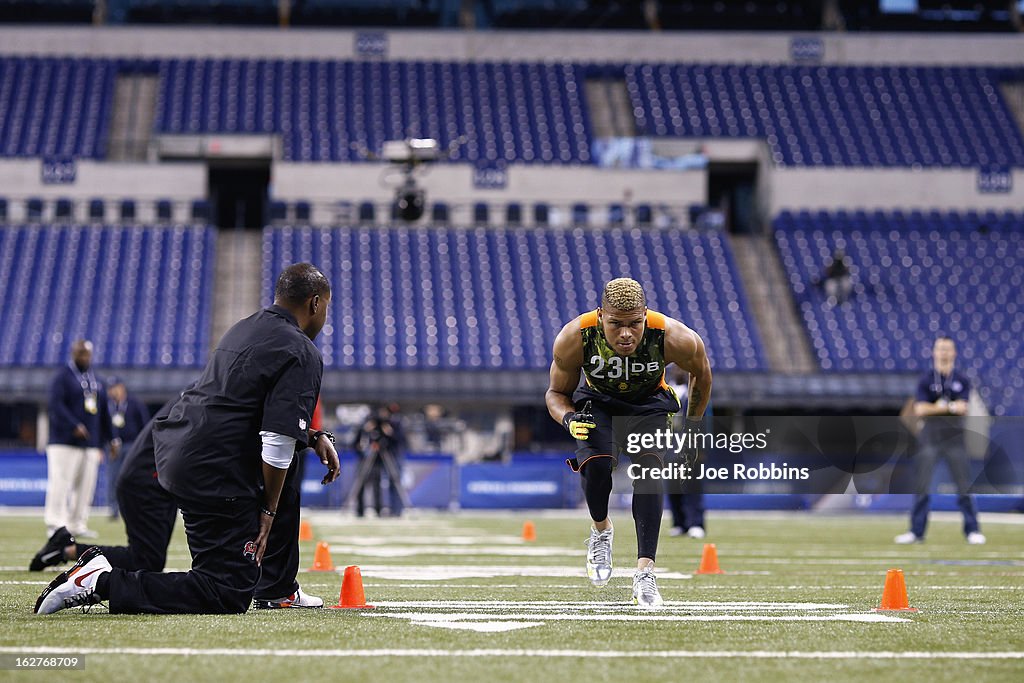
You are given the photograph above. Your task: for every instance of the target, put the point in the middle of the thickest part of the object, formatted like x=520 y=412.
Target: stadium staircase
x=1013 y=94
x=784 y=338
x=131 y=122
x=237 y=293
x=611 y=112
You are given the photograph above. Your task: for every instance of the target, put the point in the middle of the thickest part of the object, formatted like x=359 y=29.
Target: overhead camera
x=410 y=200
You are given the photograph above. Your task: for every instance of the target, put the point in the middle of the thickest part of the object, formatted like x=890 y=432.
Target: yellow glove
x=580 y=423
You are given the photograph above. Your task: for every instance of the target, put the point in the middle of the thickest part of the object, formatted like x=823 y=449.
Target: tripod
x=387 y=459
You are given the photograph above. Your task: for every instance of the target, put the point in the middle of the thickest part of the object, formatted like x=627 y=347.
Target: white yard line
x=447 y=572
x=560 y=606
x=644 y=616
x=572 y=654
x=730 y=588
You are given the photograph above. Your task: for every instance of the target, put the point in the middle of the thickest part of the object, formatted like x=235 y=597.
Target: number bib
x=627 y=378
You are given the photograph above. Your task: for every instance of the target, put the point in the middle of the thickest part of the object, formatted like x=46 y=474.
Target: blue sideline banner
x=540 y=484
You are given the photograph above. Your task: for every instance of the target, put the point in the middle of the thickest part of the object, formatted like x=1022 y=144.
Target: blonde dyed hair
x=623 y=294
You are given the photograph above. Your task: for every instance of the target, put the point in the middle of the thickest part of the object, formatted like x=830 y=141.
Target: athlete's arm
x=565 y=371
x=685 y=348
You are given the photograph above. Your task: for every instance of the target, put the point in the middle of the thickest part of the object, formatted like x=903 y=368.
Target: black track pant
x=221 y=535
x=150 y=514
x=281 y=560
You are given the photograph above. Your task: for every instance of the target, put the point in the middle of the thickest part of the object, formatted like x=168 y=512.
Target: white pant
x=70 y=486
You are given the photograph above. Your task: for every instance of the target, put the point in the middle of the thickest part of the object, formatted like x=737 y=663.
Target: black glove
x=580 y=423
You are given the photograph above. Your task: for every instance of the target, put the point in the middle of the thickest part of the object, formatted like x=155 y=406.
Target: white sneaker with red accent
x=296 y=599
x=77 y=586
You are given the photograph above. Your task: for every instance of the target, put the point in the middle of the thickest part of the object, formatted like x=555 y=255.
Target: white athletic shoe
x=908 y=538
x=296 y=599
x=696 y=532
x=645 y=589
x=976 y=538
x=77 y=586
x=599 y=556
x=676 y=531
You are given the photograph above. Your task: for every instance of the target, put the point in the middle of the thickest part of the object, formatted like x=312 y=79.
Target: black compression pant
x=647 y=501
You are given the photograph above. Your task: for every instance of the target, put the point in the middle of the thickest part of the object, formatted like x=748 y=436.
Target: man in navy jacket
x=128 y=417
x=79 y=427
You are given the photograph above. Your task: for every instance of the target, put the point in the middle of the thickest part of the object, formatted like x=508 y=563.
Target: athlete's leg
x=596 y=475
x=648 y=505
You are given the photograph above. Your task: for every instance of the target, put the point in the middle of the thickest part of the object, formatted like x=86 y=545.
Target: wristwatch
x=316 y=436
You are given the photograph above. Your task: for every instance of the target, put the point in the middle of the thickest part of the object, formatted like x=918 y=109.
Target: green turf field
x=463 y=598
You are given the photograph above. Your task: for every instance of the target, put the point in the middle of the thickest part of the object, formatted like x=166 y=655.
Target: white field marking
x=730 y=588
x=425 y=540
x=484 y=652
x=446 y=572
x=645 y=616
x=915 y=572
x=466 y=550
x=481 y=626
x=24 y=583
x=560 y=606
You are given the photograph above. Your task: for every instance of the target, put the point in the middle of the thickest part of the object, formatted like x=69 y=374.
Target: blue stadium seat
x=63 y=210
x=835 y=115
x=453 y=290
x=127 y=210
x=809 y=115
x=514 y=214
x=481 y=213
x=915 y=275
x=97 y=210
x=644 y=215
x=155 y=313
x=200 y=211
x=34 y=209
x=540 y=213
x=367 y=212
x=580 y=214
x=439 y=213
x=278 y=211
x=164 y=210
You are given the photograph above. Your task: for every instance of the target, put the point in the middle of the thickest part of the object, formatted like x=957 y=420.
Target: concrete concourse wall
x=886 y=189
x=581 y=46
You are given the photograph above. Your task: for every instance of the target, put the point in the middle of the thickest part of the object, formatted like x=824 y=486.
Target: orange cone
x=709 y=560
x=305 y=531
x=894 y=595
x=322 y=561
x=352 y=596
x=529 y=531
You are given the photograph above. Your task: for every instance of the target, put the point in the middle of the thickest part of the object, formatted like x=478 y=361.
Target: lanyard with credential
x=943 y=393
x=90 y=388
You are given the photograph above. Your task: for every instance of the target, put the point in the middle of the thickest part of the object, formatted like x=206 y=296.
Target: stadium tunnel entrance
x=732 y=189
x=238 y=193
